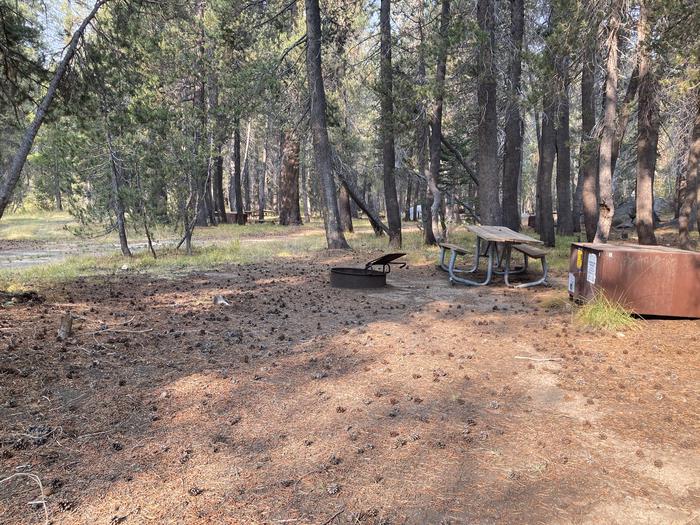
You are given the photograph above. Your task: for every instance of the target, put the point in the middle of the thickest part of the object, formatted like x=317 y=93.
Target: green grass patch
x=601 y=312
x=37 y=226
x=558 y=257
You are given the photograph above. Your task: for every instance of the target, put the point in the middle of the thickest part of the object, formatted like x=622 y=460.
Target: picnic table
x=497 y=243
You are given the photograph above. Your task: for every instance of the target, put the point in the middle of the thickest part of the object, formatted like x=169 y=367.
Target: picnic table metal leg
x=538 y=281
x=501 y=255
x=453 y=259
x=507 y=257
x=507 y=252
x=491 y=250
x=527 y=284
x=441 y=260
x=477 y=256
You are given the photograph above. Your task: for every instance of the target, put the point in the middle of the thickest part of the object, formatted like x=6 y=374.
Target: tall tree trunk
x=218 y=210
x=319 y=130
x=606 y=206
x=238 y=194
x=247 y=180
x=624 y=115
x=11 y=176
x=218 y=185
x=117 y=203
x=200 y=177
x=344 y=208
x=409 y=194
x=691 y=197
x=648 y=122
x=565 y=225
x=393 y=214
x=208 y=195
x=427 y=196
x=587 y=187
x=436 y=120
x=57 y=191
x=418 y=197
x=262 y=176
x=487 y=126
x=512 y=149
x=305 y=194
x=289 y=181
x=545 y=220
x=201 y=165
x=275 y=186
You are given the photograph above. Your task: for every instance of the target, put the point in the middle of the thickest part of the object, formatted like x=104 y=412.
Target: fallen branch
x=341 y=168
x=116 y=331
x=538 y=359
x=458 y=156
x=41 y=500
x=334 y=516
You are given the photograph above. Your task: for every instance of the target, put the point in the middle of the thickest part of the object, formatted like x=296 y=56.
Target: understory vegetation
x=580 y=118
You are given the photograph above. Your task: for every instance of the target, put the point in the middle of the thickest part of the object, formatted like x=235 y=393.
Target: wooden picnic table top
x=502 y=234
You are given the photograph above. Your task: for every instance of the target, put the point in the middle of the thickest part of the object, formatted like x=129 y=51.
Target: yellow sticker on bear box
x=579 y=258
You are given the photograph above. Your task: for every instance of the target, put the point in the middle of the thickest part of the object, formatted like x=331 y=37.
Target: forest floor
x=300 y=403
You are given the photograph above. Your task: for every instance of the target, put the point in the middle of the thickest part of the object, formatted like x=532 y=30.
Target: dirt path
x=299 y=403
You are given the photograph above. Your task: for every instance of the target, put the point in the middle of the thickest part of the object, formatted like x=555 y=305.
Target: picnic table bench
x=497 y=243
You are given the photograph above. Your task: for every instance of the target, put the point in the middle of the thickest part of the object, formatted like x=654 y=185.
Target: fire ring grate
x=366 y=277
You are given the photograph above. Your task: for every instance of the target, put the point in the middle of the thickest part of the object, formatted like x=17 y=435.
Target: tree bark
x=648 y=122
x=276 y=174
x=344 y=208
x=117 y=203
x=436 y=121
x=409 y=194
x=690 y=198
x=624 y=115
x=262 y=176
x=305 y=194
x=606 y=206
x=247 y=182
x=238 y=194
x=487 y=126
x=565 y=225
x=547 y=148
x=218 y=186
x=289 y=181
x=393 y=214
x=217 y=168
x=57 y=191
x=588 y=156
x=11 y=176
x=422 y=144
x=201 y=166
x=319 y=130
x=512 y=149
x=347 y=176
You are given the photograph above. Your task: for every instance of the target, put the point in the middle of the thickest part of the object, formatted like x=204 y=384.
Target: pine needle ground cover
x=297 y=402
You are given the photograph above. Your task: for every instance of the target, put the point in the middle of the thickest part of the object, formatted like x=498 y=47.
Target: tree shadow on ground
x=294 y=402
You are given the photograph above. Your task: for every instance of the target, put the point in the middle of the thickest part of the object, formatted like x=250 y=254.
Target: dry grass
x=214 y=247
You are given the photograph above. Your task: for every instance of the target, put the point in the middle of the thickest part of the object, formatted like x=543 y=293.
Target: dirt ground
x=299 y=403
